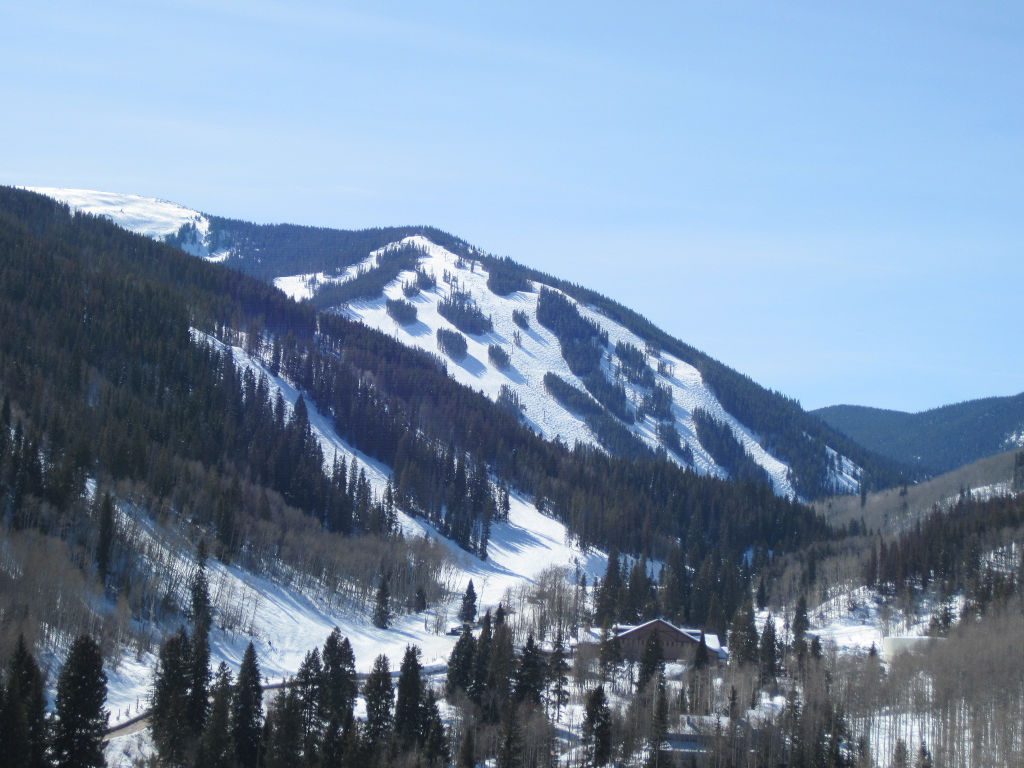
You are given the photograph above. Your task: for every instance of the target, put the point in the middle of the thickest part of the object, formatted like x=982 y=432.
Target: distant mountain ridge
x=653 y=392
x=936 y=440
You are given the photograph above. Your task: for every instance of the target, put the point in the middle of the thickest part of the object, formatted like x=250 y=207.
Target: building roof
x=710 y=639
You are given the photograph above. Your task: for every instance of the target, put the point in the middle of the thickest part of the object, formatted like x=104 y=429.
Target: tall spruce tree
x=382 y=604
x=379 y=695
x=340 y=686
x=460 y=664
x=530 y=673
x=247 y=710
x=558 y=677
x=169 y=715
x=651 y=661
x=597 y=729
x=105 y=537
x=467 y=614
x=410 y=700
x=25 y=675
x=216 y=749
x=81 y=707
x=199 y=663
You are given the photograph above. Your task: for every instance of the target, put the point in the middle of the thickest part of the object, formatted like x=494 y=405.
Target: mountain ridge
x=330 y=268
x=937 y=439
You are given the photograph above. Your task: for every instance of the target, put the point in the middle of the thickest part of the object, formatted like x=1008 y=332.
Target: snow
x=540 y=353
x=148 y=216
x=284 y=623
x=305 y=286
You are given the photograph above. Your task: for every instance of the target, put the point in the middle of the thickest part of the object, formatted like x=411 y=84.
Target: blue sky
x=827 y=196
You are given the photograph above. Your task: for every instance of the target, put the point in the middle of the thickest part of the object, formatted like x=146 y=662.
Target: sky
x=828 y=197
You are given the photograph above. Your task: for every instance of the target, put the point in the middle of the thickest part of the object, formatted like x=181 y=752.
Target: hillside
x=624 y=385
x=936 y=440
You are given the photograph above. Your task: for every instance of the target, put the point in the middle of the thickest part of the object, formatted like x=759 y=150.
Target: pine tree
x=558 y=676
x=743 y=639
x=597 y=729
x=608 y=595
x=482 y=660
x=199 y=662
x=26 y=683
x=530 y=674
x=15 y=744
x=435 y=740
x=80 y=707
x=467 y=749
x=105 y=539
x=800 y=621
x=169 y=715
x=467 y=614
x=609 y=651
x=460 y=664
x=701 y=658
x=769 y=652
x=500 y=673
x=216 y=749
x=339 y=672
x=409 y=703
x=900 y=755
x=283 y=732
x=651 y=661
x=510 y=743
x=382 y=605
x=247 y=710
x=308 y=687
x=924 y=757
x=379 y=694
x=659 y=727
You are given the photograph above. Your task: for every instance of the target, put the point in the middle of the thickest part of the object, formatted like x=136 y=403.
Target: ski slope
x=284 y=623
x=537 y=353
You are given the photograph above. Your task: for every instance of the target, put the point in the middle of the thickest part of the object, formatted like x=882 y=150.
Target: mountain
x=936 y=440
x=575 y=365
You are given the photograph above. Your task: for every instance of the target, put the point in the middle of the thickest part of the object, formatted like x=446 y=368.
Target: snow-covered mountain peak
x=148 y=216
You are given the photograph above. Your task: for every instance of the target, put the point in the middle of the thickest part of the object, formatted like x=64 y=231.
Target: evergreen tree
x=216 y=749
x=308 y=688
x=608 y=595
x=247 y=710
x=339 y=677
x=105 y=539
x=900 y=755
x=80 y=707
x=467 y=749
x=769 y=652
x=701 y=658
x=597 y=729
x=283 y=732
x=199 y=662
x=510 y=743
x=651 y=662
x=15 y=744
x=460 y=664
x=467 y=614
x=659 y=727
x=801 y=623
x=500 y=673
x=482 y=660
x=382 y=605
x=529 y=678
x=169 y=715
x=435 y=740
x=25 y=683
x=379 y=695
x=558 y=677
x=609 y=652
x=924 y=757
x=743 y=639
x=410 y=700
